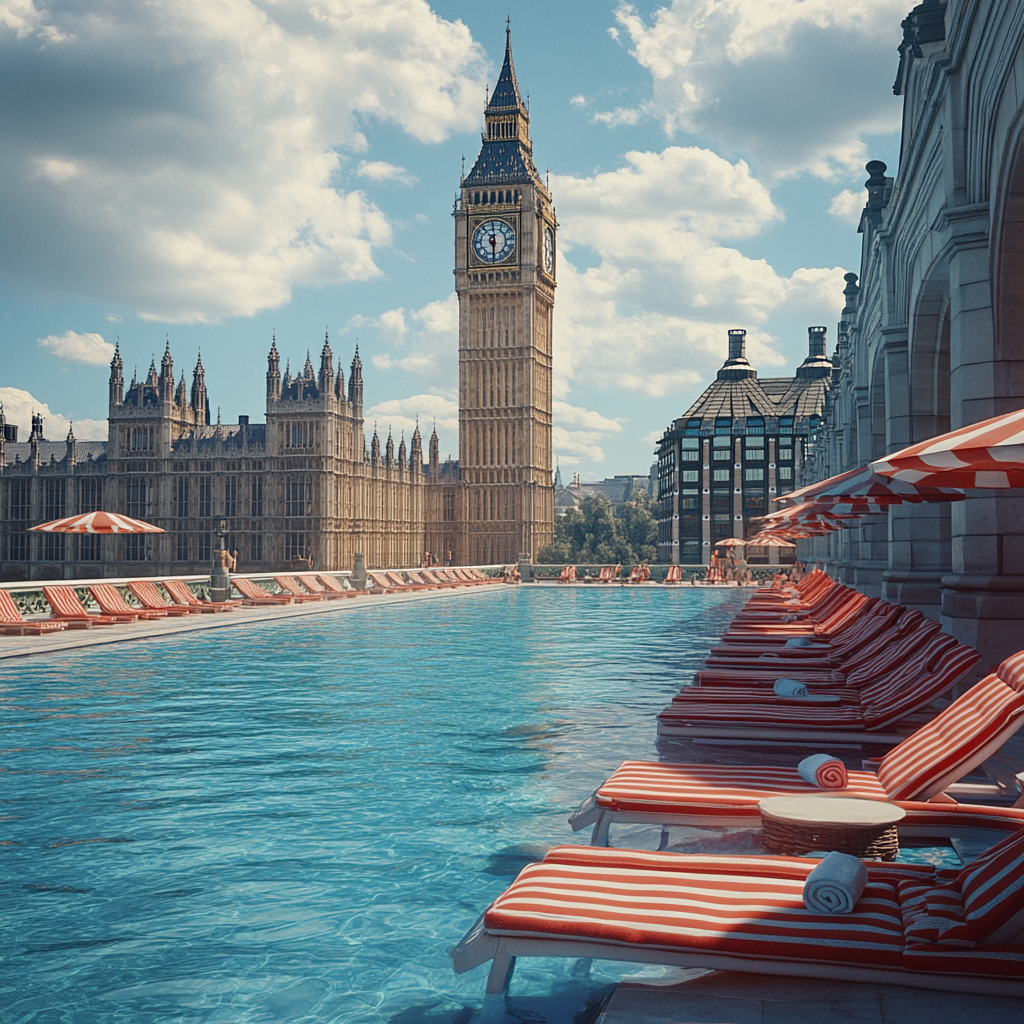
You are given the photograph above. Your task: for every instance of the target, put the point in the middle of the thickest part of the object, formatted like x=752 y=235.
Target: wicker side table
x=800 y=824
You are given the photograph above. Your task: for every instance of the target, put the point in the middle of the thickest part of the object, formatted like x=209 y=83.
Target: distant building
x=741 y=443
x=617 y=489
x=301 y=489
x=305 y=487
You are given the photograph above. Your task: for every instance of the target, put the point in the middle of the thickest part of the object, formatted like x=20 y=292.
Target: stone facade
x=931 y=338
x=738 y=446
x=505 y=248
x=302 y=488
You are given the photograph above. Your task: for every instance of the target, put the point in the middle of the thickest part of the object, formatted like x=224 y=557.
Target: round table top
x=838 y=810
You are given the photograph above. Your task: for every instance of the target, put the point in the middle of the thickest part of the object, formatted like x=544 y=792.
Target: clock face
x=549 y=251
x=494 y=241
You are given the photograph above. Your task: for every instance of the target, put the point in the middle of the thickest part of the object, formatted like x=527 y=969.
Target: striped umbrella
x=769 y=540
x=986 y=454
x=97 y=522
x=863 y=484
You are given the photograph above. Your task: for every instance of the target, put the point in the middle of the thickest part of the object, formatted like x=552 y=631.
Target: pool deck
x=12 y=647
x=728 y=997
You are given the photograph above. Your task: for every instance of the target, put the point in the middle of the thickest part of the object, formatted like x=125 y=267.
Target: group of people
x=430 y=561
x=732 y=567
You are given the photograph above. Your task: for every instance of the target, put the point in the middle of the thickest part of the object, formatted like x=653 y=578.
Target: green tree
x=592 y=533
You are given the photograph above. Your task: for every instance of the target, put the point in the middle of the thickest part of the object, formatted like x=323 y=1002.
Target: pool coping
x=17 y=647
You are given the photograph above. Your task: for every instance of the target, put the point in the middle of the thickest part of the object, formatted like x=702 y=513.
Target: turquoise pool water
x=295 y=822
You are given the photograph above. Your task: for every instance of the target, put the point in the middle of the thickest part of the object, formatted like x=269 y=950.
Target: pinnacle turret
x=116 y=388
x=200 y=403
x=273 y=371
x=355 y=383
x=326 y=378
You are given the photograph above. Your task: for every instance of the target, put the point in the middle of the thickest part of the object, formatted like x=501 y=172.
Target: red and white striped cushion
x=950 y=740
x=992 y=887
x=1011 y=671
x=934 y=915
x=731 y=912
x=983 y=961
x=783 y=713
x=933 y=672
x=730 y=791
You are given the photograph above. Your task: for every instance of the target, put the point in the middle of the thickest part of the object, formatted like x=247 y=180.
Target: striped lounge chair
x=880 y=715
x=913 y=660
x=954 y=931
x=378 y=583
x=66 y=606
x=314 y=586
x=674 y=574
x=109 y=598
x=925 y=765
x=253 y=595
x=12 y=623
x=333 y=584
x=434 y=576
x=568 y=574
x=149 y=597
x=290 y=586
x=181 y=593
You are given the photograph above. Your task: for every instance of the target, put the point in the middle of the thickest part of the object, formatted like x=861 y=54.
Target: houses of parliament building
x=305 y=487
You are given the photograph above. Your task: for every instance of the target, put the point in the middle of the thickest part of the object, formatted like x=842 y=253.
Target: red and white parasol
x=863 y=484
x=769 y=540
x=97 y=522
x=983 y=455
x=729 y=542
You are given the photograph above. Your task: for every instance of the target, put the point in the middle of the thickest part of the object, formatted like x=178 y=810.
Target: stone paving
x=70 y=639
x=727 y=997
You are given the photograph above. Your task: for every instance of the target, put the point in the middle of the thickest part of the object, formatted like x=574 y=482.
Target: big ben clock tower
x=505 y=260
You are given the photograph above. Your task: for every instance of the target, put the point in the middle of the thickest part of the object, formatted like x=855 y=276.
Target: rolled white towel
x=790 y=688
x=835 y=885
x=823 y=771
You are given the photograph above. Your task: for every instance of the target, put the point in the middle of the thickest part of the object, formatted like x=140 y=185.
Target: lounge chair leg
x=600 y=836
x=493 y=1011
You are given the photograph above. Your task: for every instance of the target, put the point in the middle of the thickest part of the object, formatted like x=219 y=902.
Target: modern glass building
x=741 y=443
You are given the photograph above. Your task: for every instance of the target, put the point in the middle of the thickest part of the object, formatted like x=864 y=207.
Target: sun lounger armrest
x=870 y=764
x=476 y=947
x=586 y=814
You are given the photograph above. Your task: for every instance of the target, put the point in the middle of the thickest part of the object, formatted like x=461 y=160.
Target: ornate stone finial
x=851 y=291
x=877 y=185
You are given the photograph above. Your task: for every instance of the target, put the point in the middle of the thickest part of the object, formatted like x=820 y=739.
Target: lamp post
x=220 y=581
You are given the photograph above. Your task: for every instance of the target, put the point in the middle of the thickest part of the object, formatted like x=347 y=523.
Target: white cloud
x=401 y=414
x=576 y=433
x=381 y=170
x=90 y=349
x=848 y=206
x=774 y=80
x=431 y=346
x=187 y=161
x=652 y=316
x=20 y=405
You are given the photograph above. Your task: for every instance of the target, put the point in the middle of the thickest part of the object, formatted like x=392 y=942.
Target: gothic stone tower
x=505 y=231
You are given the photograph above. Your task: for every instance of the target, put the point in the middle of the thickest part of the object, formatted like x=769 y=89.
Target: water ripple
x=296 y=822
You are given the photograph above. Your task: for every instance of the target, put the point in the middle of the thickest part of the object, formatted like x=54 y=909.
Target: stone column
x=917 y=541
x=983 y=603
x=705 y=501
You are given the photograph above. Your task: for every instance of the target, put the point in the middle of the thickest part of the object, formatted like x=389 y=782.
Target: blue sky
x=217 y=172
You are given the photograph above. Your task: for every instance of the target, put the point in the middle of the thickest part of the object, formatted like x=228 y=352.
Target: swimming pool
x=295 y=822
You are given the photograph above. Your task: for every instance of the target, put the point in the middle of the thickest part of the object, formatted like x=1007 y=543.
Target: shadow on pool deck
x=727 y=997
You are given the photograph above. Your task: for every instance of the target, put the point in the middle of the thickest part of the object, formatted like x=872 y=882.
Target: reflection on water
x=297 y=821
